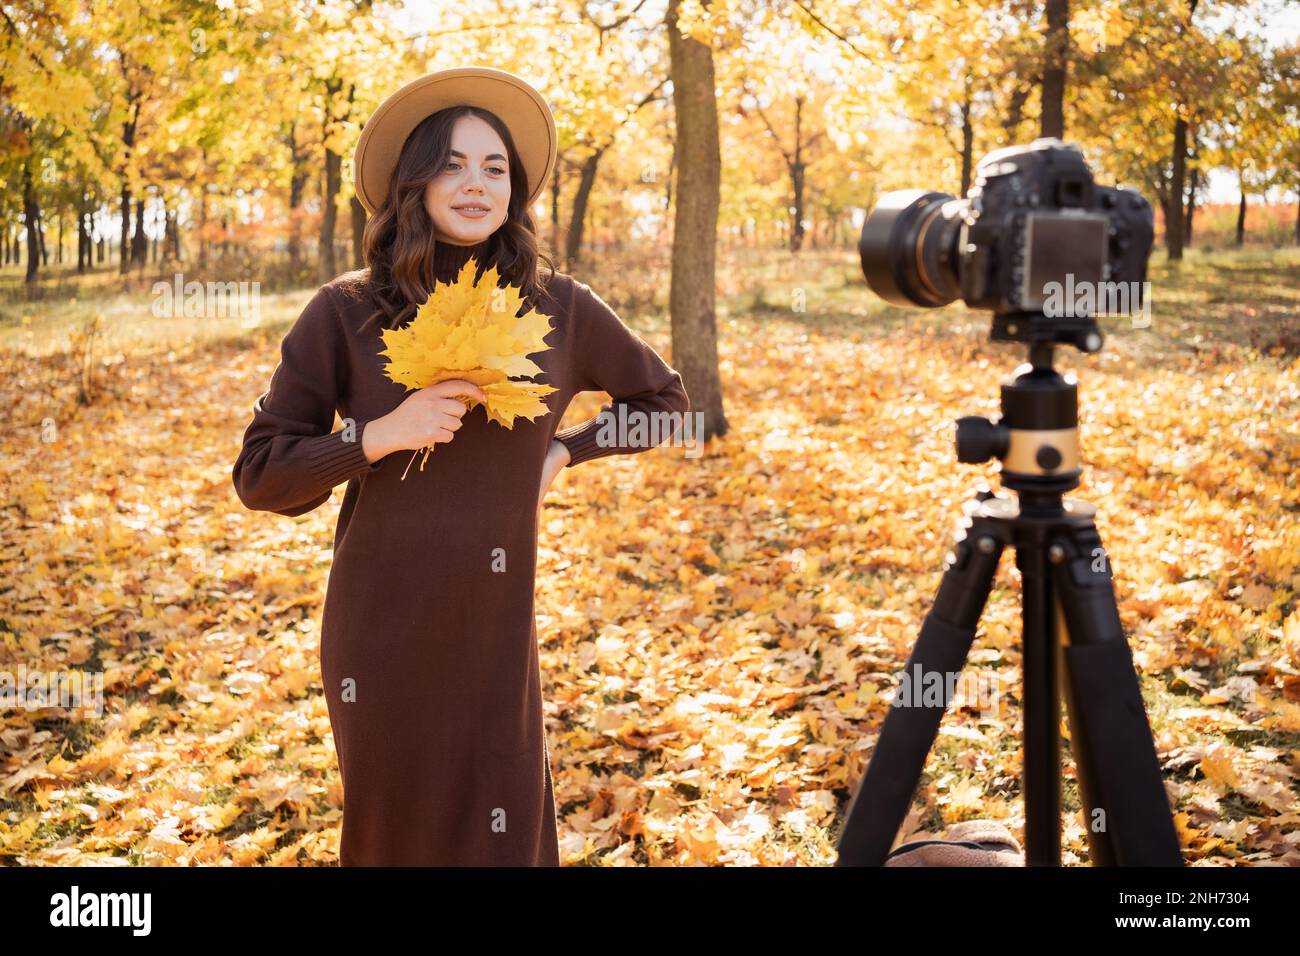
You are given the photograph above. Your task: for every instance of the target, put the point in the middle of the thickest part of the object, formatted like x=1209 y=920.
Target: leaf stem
x=408 y=464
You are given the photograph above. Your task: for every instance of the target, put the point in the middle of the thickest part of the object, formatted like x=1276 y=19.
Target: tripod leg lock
x=1084 y=583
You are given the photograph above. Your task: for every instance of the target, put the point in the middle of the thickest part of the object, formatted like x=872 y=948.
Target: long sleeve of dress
x=290 y=459
x=613 y=358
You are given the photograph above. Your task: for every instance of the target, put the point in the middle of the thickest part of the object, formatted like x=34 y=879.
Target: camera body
x=1033 y=218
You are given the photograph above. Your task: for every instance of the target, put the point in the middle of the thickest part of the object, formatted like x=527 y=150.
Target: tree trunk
x=32 y=213
x=329 y=214
x=1194 y=181
x=83 y=235
x=203 y=226
x=967 y=144
x=577 y=219
x=797 y=217
x=555 y=207
x=1174 y=206
x=298 y=176
x=672 y=172
x=358 y=233
x=692 y=296
x=124 y=239
x=1241 y=215
x=1055 y=58
x=333 y=180
x=128 y=141
x=1173 y=202
x=139 y=249
x=169 y=230
x=798 y=172
x=1015 y=113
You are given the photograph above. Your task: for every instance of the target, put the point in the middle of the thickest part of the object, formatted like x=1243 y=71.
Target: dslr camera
x=1033 y=217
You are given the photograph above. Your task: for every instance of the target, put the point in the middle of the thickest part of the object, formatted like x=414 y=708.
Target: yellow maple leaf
x=472 y=331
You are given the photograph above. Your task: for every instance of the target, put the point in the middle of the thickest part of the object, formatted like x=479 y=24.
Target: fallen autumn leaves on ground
x=717 y=634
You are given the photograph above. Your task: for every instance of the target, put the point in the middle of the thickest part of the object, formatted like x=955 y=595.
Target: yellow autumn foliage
x=472 y=331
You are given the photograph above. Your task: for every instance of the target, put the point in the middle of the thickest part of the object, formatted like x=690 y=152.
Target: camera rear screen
x=1065 y=248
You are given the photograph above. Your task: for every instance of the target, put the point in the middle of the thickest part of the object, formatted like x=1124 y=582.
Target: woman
x=428 y=639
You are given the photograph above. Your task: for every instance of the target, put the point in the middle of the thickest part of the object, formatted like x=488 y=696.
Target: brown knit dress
x=428 y=637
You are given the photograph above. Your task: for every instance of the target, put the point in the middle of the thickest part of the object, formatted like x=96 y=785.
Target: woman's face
x=477 y=174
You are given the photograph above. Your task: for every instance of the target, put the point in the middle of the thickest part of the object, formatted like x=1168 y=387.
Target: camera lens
x=908 y=247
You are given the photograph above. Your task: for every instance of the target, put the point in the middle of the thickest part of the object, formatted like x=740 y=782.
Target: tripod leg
x=1111 y=738
x=1101 y=848
x=1041 y=702
x=880 y=804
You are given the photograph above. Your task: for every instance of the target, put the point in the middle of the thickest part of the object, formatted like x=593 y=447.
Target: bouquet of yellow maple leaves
x=472 y=332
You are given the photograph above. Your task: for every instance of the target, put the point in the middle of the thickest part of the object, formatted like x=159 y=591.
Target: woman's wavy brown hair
x=398 y=241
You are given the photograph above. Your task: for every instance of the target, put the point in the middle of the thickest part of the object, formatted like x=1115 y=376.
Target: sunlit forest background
x=718 y=634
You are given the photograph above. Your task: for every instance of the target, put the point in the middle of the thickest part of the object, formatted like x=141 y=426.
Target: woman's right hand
x=426 y=417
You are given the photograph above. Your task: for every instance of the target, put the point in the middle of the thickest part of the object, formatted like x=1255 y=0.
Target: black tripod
x=1068 y=603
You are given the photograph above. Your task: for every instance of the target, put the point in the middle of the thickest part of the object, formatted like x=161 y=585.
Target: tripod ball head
x=979 y=439
x=1036 y=438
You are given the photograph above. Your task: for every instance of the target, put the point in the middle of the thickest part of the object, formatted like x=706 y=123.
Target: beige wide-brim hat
x=523 y=110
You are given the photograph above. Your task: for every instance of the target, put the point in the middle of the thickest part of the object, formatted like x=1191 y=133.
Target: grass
x=1250 y=296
